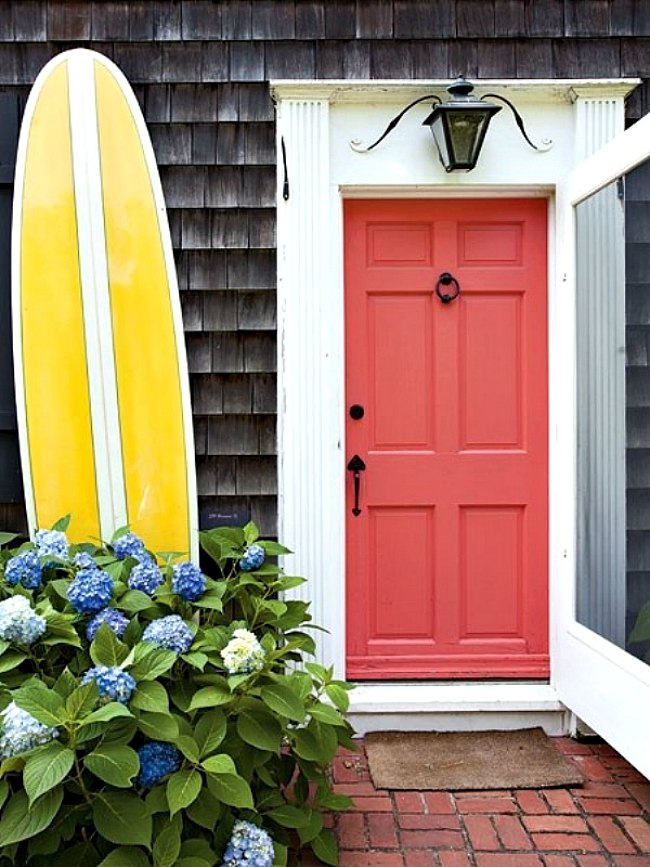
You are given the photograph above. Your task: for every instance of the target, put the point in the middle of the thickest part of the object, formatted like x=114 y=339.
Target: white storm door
x=602 y=540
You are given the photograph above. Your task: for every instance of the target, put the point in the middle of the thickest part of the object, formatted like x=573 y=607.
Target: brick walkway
x=604 y=823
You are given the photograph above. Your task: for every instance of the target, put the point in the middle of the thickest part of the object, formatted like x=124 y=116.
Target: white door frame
x=316 y=120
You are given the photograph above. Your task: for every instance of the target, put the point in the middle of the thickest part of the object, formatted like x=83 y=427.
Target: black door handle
x=356 y=466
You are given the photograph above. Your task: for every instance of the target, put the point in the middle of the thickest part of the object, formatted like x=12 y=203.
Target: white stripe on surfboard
x=93 y=267
x=174 y=296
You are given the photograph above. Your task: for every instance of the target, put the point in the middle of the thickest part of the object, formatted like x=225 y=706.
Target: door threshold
x=454 y=706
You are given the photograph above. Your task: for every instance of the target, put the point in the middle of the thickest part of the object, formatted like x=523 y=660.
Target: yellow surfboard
x=101 y=373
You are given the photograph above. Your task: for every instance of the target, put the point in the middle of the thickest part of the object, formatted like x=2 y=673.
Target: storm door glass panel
x=613 y=382
x=600 y=300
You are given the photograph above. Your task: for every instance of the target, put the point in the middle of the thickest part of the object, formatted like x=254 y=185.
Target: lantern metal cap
x=460 y=96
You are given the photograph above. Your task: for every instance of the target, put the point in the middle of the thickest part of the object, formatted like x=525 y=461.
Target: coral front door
x=447 y=415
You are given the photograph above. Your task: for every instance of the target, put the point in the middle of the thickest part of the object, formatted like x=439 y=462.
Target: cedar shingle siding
x=200 y=71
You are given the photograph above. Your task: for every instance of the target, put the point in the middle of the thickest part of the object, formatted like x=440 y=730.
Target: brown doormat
x=523 y=759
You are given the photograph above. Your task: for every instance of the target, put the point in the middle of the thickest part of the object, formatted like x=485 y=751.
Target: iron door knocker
x=446 y=279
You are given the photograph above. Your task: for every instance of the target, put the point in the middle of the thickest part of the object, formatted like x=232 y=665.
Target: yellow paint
x=54 y=358
x=148 y=378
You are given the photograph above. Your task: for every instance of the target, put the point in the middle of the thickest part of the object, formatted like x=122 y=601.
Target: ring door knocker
x=446 y=279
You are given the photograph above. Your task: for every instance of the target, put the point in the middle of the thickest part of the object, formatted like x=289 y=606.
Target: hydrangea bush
x=152 y=715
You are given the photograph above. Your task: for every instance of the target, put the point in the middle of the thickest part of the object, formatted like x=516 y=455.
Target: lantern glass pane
x=440 y=139
x=465 y=132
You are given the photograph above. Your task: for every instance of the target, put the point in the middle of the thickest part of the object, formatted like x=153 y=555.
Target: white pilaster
x=598 y=120
x=310 y=371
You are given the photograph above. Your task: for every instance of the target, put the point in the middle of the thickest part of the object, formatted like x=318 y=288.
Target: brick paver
x=604 y=823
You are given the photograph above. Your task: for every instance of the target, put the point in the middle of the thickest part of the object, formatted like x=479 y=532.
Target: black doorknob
x=357 y=411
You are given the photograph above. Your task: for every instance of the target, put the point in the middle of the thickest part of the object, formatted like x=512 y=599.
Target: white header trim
x=388 y=90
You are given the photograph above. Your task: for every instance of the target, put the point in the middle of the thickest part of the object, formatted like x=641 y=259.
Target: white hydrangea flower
x=18 y=622
x=21 y=732
x=243 y=654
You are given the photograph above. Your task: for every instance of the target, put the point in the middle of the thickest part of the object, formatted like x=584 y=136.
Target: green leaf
x=195 y=659
x=318 y=671
x=210 y=600
x=280 y=855
x=211 y=547
x=45 y=769
x=4 y=791
x=260 y=729
x=6 y=538
x=274 y=549
x=43 y=704
x=158 y=726
x=151 y=662
x=167 y=847
x=133 y=601
x=210 y=696
x=312 y=828
x=209 y=732
x=316 y=743
x=324 y=846
x=641 y=630
x=156 y=800
x=291 y=817
x=181 y=693
x=152 y=696
x=82 y=700
x=251 y=532
x=11 y=659
x=189 y=747
x=121 y=817
x=65 y=684
x=20 y=821
x=115 y=764
x=288 y=582
x=231 y=789
x=221 y=764
x=126 y=856
x=338 y=696
x=105 y=713
x=334 y=801
x=326 y=714
x=183 y=787
x=283 y=700
x=106 y=648
x=194 y=862
x=206 y=810
x=62 y=524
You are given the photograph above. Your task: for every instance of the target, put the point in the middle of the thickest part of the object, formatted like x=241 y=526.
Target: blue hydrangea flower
x=113 y=683
x=252 y=559
x=145 y=576
x=188 y=581
x=129 y=545
x=243 y=654
x=91 y=590
x=21 y=732
x=52 y=543
x=113 y=618
x=157 y=760
x=84 y=560
x=169 y=632
x=24 y=569
x=249 y=846
x=18 y=622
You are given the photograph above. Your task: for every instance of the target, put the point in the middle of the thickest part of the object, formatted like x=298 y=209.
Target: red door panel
x=447 y=561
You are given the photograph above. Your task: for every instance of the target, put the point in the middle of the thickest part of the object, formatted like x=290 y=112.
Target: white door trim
x=311 y=410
